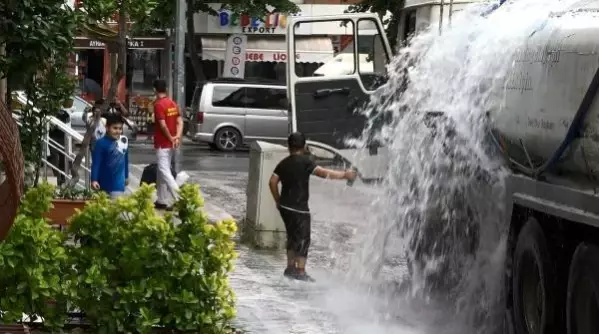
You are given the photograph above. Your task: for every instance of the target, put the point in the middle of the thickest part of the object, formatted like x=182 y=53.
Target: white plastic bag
x=100 y=130
x=182 y=178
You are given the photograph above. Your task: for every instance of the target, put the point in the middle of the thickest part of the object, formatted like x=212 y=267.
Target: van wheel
x=533 y=282
x=582 y=312
x=227 y=139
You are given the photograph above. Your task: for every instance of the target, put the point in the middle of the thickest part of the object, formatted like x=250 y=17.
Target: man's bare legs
x=290 y=270
x=300 y=264
x=290 y=259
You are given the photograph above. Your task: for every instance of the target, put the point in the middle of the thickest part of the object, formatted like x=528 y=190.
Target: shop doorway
x=91 y=66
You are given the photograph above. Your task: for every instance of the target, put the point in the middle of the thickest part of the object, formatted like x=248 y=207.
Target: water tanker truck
x=548 y=132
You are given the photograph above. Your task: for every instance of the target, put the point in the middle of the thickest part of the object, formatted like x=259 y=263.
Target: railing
x=65 y=151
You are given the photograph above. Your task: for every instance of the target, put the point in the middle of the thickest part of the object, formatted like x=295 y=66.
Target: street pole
x=179 y=86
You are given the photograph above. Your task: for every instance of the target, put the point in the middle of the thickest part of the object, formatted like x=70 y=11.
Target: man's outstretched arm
x=334 y=174
x=273 y=184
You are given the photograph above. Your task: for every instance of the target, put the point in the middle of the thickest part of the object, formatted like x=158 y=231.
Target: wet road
x=194 y=157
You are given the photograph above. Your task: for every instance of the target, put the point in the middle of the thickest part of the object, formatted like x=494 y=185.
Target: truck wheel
x=227 y=139
x=533 y=282
x=582 y=311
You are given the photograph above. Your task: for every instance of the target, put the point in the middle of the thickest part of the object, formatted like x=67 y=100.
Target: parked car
x=228 y=113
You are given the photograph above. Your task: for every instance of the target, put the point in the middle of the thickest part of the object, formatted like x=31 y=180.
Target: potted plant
x=66 y=202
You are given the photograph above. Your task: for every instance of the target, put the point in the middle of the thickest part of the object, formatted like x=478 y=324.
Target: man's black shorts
x=297 y=225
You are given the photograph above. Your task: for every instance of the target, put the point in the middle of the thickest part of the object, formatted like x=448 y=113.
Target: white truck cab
x=323 y=106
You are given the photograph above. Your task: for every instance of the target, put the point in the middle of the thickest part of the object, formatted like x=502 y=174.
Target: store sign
x=279 y=57
x=234 y=62
x=270 y=23
x=133 y=43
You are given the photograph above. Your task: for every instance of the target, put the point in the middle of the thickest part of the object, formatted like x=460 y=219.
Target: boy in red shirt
x=167 y=139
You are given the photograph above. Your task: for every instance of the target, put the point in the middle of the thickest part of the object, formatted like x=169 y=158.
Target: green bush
x=134 y=269
x=32 y=265
x=127 y=268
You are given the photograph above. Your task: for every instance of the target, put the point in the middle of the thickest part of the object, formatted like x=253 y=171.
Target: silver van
x=229 y=113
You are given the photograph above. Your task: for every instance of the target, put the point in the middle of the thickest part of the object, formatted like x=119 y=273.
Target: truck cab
x=326 y=106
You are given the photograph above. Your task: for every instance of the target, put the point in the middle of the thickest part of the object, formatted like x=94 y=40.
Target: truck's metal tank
x=544 y=90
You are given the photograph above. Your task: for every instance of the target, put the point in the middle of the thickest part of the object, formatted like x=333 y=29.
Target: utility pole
x=179 y=86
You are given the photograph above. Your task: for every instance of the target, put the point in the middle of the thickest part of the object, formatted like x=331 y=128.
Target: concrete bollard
x=263 y=226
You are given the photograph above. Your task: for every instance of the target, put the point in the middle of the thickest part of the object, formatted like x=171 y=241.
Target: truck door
x=325 y=95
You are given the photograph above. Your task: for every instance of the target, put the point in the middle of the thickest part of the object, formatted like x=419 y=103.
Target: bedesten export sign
x=272 y=22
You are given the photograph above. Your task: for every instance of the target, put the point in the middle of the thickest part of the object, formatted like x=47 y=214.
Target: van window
x=266 y=98
x=228 y=96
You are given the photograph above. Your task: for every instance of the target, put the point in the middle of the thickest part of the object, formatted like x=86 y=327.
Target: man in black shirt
x=294 y=174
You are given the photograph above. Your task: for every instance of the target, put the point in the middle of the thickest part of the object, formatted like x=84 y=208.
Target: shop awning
x=310 y=49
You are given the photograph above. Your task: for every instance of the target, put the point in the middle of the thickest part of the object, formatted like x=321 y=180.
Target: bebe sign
x=268 y=56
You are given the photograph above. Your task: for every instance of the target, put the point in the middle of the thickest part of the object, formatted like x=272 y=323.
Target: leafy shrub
x=133 y=269
x=32 y=265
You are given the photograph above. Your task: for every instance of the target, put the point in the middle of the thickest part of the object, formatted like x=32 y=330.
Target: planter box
x=63 y=210
x=14 y=329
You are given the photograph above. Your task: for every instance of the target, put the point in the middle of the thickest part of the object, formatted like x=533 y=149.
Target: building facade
x=266 y=50
x=151 y=57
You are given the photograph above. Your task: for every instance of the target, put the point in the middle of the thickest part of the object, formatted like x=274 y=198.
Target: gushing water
x=443 y=193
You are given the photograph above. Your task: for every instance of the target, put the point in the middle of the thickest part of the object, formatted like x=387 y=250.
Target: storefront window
x=144 y=66
x=143 y=70
x=263 y=70
x=90 y=69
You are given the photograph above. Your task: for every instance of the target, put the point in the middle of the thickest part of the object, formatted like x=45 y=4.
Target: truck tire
x=227 y=139
x=533 y=282
x=582 y=312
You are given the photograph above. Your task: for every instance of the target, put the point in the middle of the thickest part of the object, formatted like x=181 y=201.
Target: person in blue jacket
x=110 y=160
